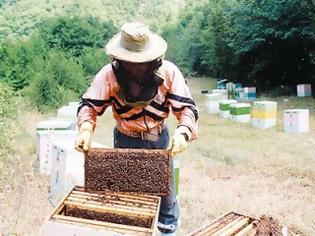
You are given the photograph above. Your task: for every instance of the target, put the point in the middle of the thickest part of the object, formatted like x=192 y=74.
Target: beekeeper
x=141 y=88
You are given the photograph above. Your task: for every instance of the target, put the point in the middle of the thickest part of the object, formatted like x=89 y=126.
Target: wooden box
x=227 y=225
x=128 y=170
x=86 y=213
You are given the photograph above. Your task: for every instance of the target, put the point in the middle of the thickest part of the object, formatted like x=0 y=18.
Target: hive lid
x=239 y=105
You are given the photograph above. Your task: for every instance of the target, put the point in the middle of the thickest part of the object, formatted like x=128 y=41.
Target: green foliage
x=92 y=59
x=184 y=41
x=263 y=43
x=56 y=62
x=73 y=34
x=15 y=57
x=19 y=18
x=274 y=42
x=44 y=91
x=52 y=77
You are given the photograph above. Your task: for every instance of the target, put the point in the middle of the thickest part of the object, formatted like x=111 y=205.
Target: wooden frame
x=228 y=224
x=126 y=150
x=128 y=205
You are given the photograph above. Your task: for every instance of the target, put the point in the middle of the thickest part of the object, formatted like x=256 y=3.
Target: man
x=142 y=89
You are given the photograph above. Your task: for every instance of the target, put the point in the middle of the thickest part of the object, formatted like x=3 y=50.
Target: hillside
x=19 y=18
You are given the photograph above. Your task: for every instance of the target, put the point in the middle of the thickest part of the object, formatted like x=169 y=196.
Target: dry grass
x=230 y=167
x=24 y=199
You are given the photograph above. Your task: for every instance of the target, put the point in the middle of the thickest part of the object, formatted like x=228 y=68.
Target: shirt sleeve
x=182 y=104
x=95 y=100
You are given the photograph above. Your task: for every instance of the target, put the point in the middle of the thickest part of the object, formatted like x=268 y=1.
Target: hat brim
x=155 y=48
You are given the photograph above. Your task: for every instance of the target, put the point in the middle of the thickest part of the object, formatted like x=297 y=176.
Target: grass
x=231 y=167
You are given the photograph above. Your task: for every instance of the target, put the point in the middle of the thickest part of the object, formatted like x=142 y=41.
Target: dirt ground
x=231 y=167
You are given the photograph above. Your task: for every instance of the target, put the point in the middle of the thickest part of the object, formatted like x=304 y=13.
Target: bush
x=54 y=79
x=73 y=34
x=16 y=57
x=92 y=60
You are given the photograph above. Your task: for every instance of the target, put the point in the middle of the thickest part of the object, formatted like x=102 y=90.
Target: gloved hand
x=179 y=141
x=83 y=141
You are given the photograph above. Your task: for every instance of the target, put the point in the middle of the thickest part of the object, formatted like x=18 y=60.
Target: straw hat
x=136 y=43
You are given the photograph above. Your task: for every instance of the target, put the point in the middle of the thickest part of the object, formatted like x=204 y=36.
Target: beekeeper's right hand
x=83 y=141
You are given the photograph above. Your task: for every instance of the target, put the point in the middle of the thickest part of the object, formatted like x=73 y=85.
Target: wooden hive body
x=227 y=225
x=124 y=214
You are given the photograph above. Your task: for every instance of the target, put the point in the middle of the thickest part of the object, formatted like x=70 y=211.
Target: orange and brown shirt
x=172 y=95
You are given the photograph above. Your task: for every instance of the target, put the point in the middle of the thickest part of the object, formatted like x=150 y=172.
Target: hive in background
x=264 y=114
x=296 y=121
x=212 y=102
x=86 y=213
x=240 y=112
x=128 y=170
x=48 y=132
x=67 y=169
x=223 y=93
x=249 y=94
x=304 y=90
x=225 y=107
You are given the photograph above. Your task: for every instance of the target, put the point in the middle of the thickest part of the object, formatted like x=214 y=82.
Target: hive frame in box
x=62 y=225
x=119 y=150
x=211 y=229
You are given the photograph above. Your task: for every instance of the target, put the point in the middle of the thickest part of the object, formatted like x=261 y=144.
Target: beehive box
x=128 y=170
x=212 y=102
x=264 y=114
x=249 y=93
x=223 y=92
x=229 y=224
x=304 y=90
x=67 y=169
x=296 y=121
x=239 y=93
x=69 y=112
x=86 y=213
x=225 y=107
x=47 y=133
x=264 y=109
x=240 y=112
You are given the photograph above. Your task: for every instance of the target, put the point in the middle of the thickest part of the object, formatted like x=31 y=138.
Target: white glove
x=83 y=141
x=180 y=140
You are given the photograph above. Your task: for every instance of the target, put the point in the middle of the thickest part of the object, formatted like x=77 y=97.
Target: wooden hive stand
x=86 y=213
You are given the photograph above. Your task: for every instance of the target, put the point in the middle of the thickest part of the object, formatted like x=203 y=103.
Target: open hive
x=230 y=224
x=128 y=170
x=84 y=213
